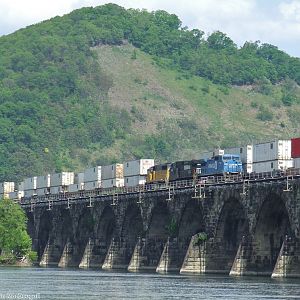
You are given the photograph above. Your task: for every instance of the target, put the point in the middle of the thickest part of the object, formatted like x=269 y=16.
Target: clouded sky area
x=271 y=21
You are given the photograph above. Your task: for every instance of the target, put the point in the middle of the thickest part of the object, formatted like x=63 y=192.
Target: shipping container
x=92 y=174
x=296 y=162
x=295 y=147
x=248 y=168
x=210 y=154
x=43 y=181
x=112 y=171
x=72 y=188
x=137 y=167
x=62 y=179
x=245 y=153
x=136 y=180
x=21 y=186
x=7 y=187
x=16 y=195
x=58 y=189
x=268 y=166
x=79 y=178
x=113 y=182
x=30 y=183
x=274 y=150
x=29 y=193
x=43 y=191
x=91 y=185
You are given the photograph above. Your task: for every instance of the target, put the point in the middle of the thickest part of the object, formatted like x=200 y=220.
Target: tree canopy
x=14 y=238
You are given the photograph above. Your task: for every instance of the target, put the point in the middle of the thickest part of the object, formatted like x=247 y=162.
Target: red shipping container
x=295 y=147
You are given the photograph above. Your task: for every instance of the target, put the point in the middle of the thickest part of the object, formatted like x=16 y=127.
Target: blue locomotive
x=217 y=165
x=222 y=164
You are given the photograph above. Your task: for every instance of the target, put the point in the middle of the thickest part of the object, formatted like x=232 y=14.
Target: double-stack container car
x=296 y=152
x=112 y=176
x=135 y=172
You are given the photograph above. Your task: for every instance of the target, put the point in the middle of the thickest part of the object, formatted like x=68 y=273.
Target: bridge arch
x=271 y=227
x=191 y=221
x=104 y=232
x=44 y=231
x=85 y=228
x=30 y=225
x=160 y=222
x=66 y=229
x=232 y=225
x=132 y=229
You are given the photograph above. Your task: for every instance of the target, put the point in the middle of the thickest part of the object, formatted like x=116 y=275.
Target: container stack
x=270 y=156
x=60 y=182
x=296 y=152
x=112 y=176
x=92 y=178
x=135 y=172
x=6 y=188
x=30 y=186
x=246 y=156
x=78 y=184
x=43 y=185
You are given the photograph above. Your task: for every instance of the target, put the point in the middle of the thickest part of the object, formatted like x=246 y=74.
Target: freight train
x=189 y=169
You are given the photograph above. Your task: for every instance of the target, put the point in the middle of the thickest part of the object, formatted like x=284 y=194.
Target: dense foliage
x=53 y=93
x=14 y=240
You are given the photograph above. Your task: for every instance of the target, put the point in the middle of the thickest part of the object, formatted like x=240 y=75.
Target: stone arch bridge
x=238 y=227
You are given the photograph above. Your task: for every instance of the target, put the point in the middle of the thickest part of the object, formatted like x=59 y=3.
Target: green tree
x=14 y=238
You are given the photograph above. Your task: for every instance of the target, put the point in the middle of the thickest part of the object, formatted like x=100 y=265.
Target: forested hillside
x=105 y=84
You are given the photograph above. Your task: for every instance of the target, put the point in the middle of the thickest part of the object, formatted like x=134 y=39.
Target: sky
x=270 y=21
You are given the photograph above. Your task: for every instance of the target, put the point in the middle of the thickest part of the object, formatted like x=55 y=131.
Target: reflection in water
x=54 y=283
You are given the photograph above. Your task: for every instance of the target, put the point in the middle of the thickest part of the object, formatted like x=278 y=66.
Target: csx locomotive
x=188 y=169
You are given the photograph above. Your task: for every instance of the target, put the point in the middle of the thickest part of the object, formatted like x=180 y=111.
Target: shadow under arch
x=84 y=231
x=191 y=221
x=160 y=228
x=231 y=227
x=66 y=230
x=272 y=226
x=104 y=234
x=132 y=229
x=44 y=232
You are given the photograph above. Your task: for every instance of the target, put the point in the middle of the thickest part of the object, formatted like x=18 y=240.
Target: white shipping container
x=91 y=185
x=16 y=195
x=134 y=180
x=7 y=187
x=245 y=153
x=268 y=166
x=274 y=150
x=296 y=162
x=29 y=193
x=112 y=171
x=79 y=178
x=248 y=168
x=137 y=167
x=43 y=181
x=92 y=174
x=63 y=178
x=30 y=183
x=75 y=187
x=113 y=182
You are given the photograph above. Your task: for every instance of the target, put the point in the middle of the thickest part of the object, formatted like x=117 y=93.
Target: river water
x=55 y=283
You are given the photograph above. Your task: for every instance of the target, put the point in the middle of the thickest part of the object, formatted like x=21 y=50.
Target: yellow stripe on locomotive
x=158 y=173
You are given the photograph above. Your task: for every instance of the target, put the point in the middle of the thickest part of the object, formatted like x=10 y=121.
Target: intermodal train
x=189 y=169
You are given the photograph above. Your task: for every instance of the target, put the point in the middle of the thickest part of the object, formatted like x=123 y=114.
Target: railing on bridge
x=167 y=186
